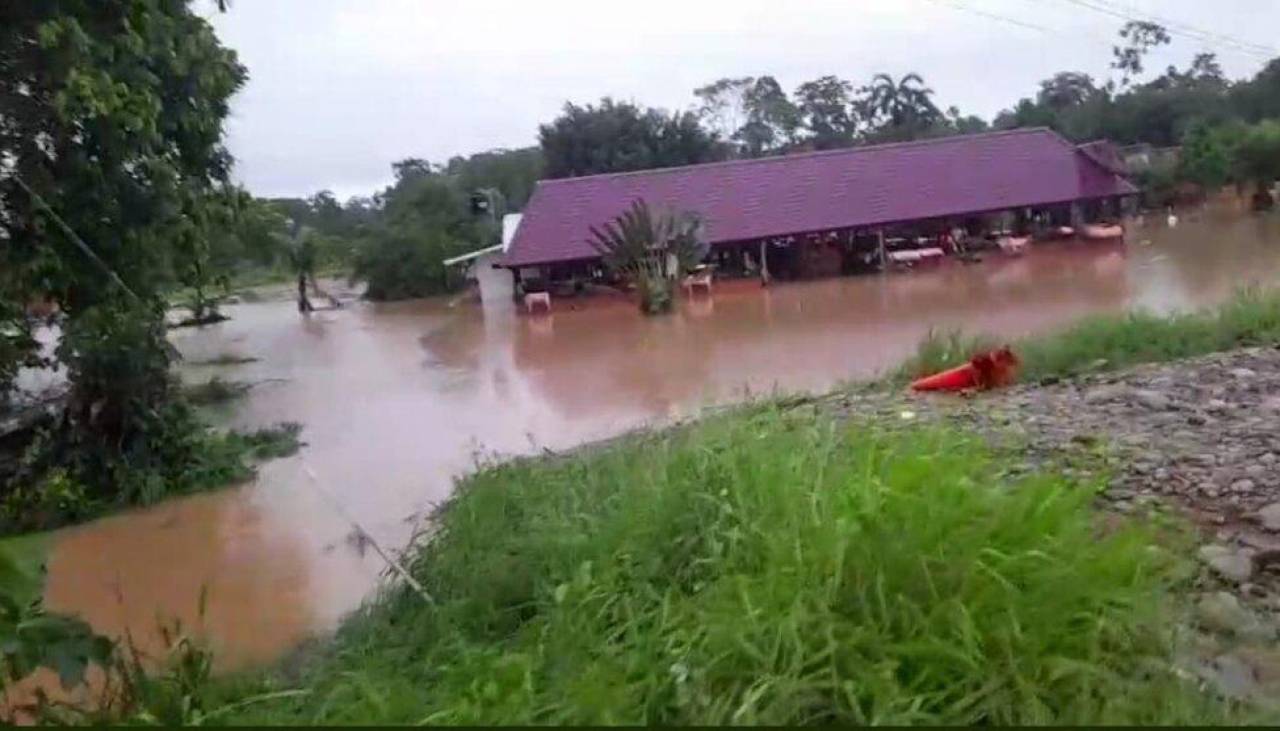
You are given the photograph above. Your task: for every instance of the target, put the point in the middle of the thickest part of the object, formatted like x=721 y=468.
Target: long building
x=840 y=195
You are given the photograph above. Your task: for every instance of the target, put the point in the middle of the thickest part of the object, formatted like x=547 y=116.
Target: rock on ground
x=1201 y=435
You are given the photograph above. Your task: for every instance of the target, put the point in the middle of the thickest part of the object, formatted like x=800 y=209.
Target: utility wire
x=1201 y=33
x=1249 y=49
x=961 y=6
x=93 y=256
x=957 y=5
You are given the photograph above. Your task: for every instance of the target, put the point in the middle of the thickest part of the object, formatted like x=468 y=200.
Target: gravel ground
x=1201 y=436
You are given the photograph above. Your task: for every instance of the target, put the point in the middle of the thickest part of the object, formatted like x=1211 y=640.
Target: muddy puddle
x=396 y=399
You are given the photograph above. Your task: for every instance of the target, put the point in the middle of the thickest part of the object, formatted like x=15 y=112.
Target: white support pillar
x=884 y=259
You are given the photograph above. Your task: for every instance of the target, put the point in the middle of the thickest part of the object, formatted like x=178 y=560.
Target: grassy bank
x=1111 y=341
x=765 y=567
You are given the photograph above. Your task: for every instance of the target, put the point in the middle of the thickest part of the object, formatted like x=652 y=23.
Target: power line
x=1203 y=36
x=958 y=5
x=961 y=6
x=75 y=238
x=1202 y=33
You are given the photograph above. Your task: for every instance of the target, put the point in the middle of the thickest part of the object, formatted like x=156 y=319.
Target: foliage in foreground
x=169 y=689
x=1111 y=341
x=764 y=568
x=31 y=638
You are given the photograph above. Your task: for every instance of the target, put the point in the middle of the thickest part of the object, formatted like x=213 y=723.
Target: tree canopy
x=614 y=137
x=111 y=142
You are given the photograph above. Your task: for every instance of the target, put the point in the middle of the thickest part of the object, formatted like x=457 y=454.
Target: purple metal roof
x=861 y=186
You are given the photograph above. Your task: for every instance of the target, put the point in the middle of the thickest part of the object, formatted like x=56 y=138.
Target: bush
x=49 y=493
x=765 y=568
x=402 y=264
x=650 y=251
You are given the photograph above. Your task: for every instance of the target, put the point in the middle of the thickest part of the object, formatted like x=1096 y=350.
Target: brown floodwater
x=397 y=399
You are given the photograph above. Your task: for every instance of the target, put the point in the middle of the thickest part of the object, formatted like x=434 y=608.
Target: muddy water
x=396 y=399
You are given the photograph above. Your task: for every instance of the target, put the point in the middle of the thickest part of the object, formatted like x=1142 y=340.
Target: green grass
x=940 y=350
x=764 y=567
x=1113 y=341
x=232 y=456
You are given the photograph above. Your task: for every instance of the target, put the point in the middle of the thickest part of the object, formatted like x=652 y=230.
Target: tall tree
x=410 y=167
x=619 y=137
x=1067 y=89
x=723 y=105
x=111 y=113
x=965 y=124
x=824 y=106
x=1259 y=97
x=1139 y=37
x=1205 y=159
x=1026 y=113
x=772 y=119
x=1258 y=153
x=424 y=220
x=906 y=102
x=513 y=173
x=1205 y=68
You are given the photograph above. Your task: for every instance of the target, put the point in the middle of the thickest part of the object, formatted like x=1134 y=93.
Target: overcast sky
x=339 y=89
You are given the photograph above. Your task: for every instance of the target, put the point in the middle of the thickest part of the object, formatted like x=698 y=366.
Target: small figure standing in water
x=304 y=304
x=302 y=255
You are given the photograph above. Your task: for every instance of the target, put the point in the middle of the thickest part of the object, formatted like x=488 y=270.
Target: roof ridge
x=813 y=153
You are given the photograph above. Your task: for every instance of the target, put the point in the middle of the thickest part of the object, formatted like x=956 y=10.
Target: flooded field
x=397 y=399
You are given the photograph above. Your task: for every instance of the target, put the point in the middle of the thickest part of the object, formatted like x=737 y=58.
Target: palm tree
x=650 y=251
x=904 y=102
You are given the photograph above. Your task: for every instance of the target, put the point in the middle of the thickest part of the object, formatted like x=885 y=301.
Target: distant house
x=839 y=198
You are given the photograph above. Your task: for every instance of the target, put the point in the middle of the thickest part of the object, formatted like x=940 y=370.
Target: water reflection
x=398 y=398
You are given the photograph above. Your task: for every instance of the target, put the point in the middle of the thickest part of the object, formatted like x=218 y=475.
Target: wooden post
x=884 y=259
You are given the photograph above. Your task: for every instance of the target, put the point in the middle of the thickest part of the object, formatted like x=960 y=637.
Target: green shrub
x=765 y=568
x=45 y=497
x=402 y=264
x=54 y=500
